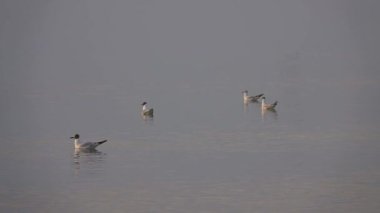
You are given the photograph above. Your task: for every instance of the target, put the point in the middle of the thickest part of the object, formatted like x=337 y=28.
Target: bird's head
x=76 y=136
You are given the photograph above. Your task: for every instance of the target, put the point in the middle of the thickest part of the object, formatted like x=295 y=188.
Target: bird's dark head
x=144 y=103
x=245 y=91
x=76 y=136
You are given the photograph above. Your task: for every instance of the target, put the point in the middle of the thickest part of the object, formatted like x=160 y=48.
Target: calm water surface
x=204 y=151
x=214 y=155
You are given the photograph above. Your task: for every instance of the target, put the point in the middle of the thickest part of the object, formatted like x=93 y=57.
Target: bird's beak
x=71 y=137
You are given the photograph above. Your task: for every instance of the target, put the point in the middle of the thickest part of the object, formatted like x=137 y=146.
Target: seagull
x=88 y=146
x=248 y=98
x=145 y=111
x=266 y=106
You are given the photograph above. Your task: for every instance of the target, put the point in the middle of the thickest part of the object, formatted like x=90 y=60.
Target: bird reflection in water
x=245 y=107
x=147 y=118
x=269 y=113
x=88 y=160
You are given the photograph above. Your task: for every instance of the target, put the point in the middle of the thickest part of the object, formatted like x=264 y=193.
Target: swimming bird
x=88 y=146
x=266 y=106
x=248 y=98
x=145 y=111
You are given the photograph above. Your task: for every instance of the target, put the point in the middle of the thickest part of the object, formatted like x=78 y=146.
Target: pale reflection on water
x=88 y=161
x=148 y=119
x=269 y=114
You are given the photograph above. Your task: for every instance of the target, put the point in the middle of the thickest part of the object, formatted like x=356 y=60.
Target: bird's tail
x=259 y=96
x=100 y=142
x=275 y=104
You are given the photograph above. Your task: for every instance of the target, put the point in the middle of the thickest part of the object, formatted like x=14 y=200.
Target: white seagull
x=248 y=98
x=145 y=111
x=266 y=106
x=88 y=146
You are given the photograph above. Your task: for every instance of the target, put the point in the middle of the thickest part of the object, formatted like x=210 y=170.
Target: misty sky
x=58 y=49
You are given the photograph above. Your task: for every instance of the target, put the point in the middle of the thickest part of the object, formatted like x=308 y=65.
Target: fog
x=86 y=66
x=147 y=49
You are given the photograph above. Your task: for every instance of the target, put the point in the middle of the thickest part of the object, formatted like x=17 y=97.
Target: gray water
x=86 y=66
